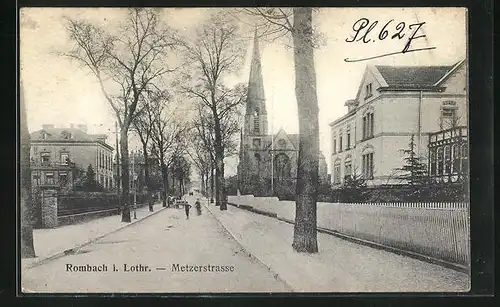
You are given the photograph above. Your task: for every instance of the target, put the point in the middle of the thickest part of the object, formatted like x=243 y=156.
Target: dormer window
x=44 y=135
x=369 y=92
x=66 y=135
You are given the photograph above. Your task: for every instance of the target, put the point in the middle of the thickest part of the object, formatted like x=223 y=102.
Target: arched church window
x=282 y=166
x=282 y=144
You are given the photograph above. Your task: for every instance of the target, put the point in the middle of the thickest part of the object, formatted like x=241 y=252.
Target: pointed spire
x=255 y=83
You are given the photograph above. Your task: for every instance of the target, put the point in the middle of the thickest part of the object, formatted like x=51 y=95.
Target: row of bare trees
x=133 y=64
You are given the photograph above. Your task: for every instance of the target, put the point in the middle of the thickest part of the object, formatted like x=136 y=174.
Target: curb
x=70 y=251
x=394 y=250
x=252 y=256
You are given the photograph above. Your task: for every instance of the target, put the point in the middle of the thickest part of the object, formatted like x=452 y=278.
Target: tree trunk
x=222 y=194
x=125 y=196
x=305 y=235
x=146 y=165
x=212 y=183
x=164 y=176
x=202 y=182
x=26 y=203
x=219 y=163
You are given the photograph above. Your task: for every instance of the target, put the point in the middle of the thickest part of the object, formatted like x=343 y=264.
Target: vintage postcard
x=244 y=150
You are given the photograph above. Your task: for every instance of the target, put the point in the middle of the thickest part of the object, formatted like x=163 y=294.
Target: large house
x=393 y=104
x=266 y=159
x=57 y=152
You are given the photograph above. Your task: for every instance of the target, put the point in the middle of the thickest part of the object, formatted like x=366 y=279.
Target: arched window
x=282 y=144
x=465 y=159
x=282 y=167
x=440 y=167
x=447 y=159
x=347 y=167
x=455 y=157
x=433 y=162
x=336 y=172
x=348 y=138
x=448 y=118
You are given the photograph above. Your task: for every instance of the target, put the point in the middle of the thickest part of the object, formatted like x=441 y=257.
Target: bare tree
x=125 y=64
x=204 y=136
x=143 y=126
x=216 y=53
x=26 y=204
x=297 y=22
x=200 y=157
x=167 y=136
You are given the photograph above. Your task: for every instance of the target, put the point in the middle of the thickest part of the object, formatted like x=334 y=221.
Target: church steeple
x=256 y=113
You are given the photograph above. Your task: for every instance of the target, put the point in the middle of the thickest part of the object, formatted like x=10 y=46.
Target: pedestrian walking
x=198 y=206
x=187 y=206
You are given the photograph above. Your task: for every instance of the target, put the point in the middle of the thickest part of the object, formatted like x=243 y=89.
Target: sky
x=58 y=92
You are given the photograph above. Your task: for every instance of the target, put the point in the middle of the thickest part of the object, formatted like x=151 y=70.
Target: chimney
x=351 y=105
x=102 y=137
x=47 y=126
x=82 y=128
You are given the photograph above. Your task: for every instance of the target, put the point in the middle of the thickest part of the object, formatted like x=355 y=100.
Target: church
x=267 y=162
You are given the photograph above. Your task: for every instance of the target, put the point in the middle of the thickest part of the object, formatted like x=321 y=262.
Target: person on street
x=198 y=206
x=187 y=206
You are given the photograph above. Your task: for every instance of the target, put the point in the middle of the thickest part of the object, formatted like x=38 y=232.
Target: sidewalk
x=51 y=243
x=340 y=265
x=167 y=244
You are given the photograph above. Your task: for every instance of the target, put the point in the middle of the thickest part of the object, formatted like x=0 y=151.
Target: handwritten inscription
x=366 y=32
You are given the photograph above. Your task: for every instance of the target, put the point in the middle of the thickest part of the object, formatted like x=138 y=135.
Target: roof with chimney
x=73 y=135
x=409 y=77
x=405 y=78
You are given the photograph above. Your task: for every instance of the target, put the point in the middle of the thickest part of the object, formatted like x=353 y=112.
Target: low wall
x=437 y=230
x=56 y=210
x=86 y=216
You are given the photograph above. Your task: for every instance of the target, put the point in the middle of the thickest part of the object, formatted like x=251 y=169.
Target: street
x=230 y=251
x=165 y=243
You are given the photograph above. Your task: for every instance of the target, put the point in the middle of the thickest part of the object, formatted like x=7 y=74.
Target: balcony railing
x=49 y=164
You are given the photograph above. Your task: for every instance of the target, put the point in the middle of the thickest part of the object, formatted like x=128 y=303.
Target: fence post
x=49 y=209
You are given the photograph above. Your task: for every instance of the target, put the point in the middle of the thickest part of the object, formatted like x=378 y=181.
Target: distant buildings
x=265 y=159
x=392 y=104
x=56 y=152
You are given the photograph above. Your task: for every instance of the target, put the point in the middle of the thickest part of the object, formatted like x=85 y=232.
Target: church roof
x=255 y=95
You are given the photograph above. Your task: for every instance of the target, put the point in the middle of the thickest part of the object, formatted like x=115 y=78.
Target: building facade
x=267 y=162
x=57 y=152
x=391 y=105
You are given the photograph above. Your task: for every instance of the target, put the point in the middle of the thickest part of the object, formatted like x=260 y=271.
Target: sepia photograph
x=244 y=150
